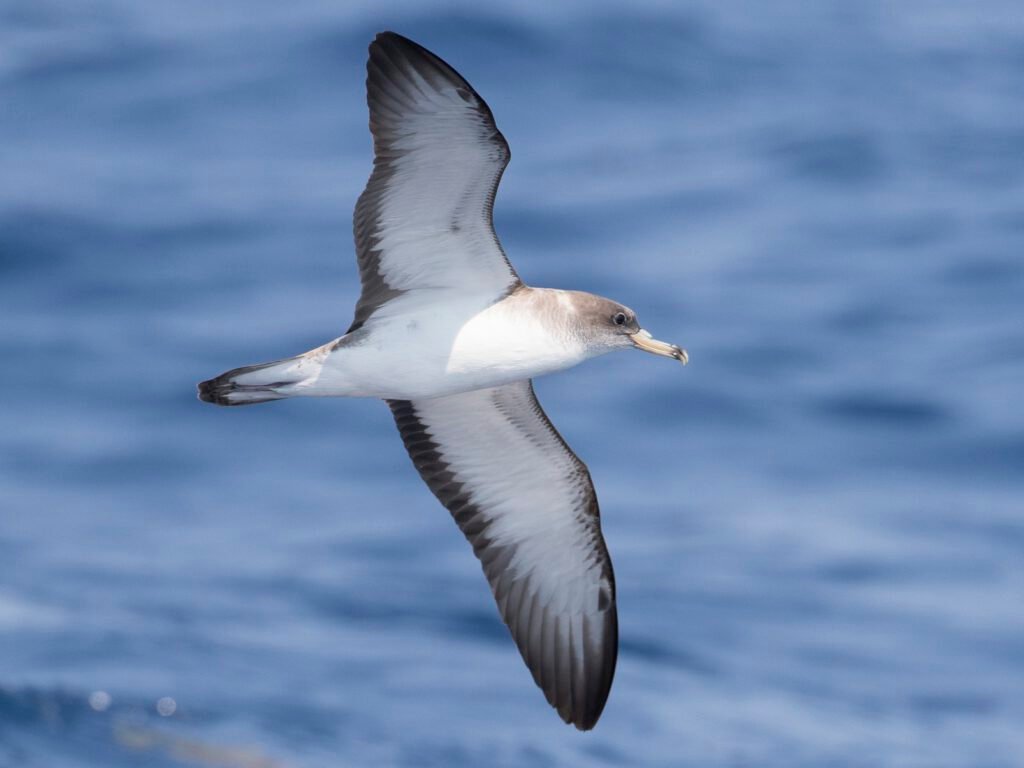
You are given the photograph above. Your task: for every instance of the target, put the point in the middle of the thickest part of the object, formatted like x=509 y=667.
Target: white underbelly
x=433 y=353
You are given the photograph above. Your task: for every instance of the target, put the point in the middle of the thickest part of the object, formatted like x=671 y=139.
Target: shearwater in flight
x=447 y=334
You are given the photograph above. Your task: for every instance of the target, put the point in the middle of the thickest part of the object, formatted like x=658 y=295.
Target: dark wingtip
x=417 y=56
x=590 y=709
x=429 y=65
x=394 y=41
x=586 y=716
x=387 y=36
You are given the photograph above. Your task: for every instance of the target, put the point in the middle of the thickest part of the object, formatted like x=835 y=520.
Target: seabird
x=448 y=335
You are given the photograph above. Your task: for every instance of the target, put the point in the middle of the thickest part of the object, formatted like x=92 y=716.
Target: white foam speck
x=166 y=706
x=100 y=700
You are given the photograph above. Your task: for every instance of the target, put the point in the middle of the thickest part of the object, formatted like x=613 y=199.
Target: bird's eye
x=619 y=318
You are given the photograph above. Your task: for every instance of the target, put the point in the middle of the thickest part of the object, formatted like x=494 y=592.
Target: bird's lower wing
x=527 y=505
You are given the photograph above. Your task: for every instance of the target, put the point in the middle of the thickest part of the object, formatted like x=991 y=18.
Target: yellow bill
x=643 y=340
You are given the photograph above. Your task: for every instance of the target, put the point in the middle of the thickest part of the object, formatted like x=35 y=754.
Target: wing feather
x=425 y=219
x=527 y=505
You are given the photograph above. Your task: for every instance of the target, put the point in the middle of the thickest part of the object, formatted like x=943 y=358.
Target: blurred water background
x=817 y=527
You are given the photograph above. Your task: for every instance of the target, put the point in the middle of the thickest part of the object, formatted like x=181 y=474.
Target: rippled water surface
x=817 y=527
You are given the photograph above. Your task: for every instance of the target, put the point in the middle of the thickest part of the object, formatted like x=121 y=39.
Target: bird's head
x=608 y=325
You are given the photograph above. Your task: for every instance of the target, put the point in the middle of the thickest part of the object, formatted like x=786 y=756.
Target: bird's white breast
x=509 y=341
x=445 y=347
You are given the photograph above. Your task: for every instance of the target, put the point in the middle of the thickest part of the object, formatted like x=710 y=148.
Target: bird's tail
x=257 y=383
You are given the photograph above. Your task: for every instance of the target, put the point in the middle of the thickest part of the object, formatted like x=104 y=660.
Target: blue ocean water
x=817 y=527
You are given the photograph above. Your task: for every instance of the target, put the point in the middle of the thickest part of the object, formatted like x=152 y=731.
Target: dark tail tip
x=224 y=390
x=211 y=391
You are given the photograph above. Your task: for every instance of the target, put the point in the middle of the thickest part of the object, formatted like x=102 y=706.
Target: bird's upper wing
x=424 y=219
x=527 y=505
